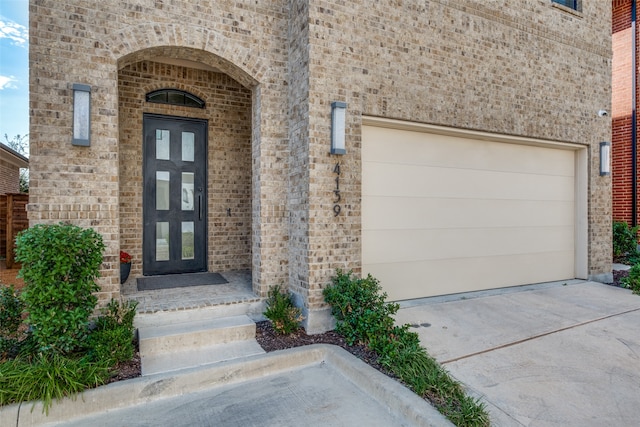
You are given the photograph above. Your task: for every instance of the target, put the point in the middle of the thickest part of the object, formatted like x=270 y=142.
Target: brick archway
x=228 y=113
x=198 y=44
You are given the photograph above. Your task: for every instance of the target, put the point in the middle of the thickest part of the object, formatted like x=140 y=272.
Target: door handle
x=200 y=207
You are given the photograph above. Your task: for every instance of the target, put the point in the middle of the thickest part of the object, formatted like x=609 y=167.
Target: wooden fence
x=13 y=219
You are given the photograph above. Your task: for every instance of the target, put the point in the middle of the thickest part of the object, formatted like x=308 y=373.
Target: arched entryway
x=211 y=231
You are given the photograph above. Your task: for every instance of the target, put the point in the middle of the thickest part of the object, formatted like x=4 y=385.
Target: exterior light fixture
x=338 y=127
x=81 y=115
x=605 y=158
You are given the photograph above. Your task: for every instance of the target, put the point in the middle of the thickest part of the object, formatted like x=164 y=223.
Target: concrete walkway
x=558 y=354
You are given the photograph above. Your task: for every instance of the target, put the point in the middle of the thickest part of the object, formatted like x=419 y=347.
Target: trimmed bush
x=59 y=266
x=625 y=240
x=361 y=313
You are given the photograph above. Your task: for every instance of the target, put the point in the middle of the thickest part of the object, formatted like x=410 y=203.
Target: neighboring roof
x=13 y=157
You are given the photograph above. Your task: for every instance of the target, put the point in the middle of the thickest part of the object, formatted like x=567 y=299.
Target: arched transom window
x=175 y=97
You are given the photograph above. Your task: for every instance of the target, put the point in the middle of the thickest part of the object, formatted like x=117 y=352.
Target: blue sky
x=14 y=68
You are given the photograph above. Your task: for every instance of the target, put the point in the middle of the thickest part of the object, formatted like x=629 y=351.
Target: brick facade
x=269 y=71
x=622 y=109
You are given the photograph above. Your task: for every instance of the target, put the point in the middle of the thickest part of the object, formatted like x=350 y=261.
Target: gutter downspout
x=634 y=145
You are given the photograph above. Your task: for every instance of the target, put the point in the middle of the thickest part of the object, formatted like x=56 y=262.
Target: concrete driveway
x=555 y=354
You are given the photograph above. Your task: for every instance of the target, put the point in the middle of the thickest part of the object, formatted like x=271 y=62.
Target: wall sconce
x=81 y=115
x=605 y=158
x=338 y=127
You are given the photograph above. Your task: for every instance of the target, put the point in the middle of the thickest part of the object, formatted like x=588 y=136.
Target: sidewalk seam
x=489 y=350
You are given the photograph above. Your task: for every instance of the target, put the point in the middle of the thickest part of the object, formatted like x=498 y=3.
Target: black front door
x=174 y=198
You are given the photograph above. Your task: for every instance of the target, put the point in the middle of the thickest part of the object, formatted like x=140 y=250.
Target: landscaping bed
x=270 y=340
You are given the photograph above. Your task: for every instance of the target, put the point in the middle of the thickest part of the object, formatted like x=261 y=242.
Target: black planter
x=125 y=269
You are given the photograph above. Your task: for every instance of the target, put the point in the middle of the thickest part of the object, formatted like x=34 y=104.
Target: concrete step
x=189 y=358
x=199 y=341
x=252 y=309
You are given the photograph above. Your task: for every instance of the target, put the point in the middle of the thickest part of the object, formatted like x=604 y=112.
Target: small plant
x=11 y=308
x=284 y=315
x=632 y=281
x=625 y=240
x=59 y=266
x=112 y=338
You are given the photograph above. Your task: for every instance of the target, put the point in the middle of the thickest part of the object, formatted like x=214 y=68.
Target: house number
x=336 y=192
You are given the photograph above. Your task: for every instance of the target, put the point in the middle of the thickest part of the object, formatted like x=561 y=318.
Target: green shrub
x=37 y=375
x=363 y=316
x=11 y=308
x=625 y=239
x=59 y=266
x=112 y=338
x=361 y=313
x=632 y=281
x=284 y=315
x=48 y=377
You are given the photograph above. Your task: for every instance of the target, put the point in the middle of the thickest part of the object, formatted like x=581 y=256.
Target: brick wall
x=9 y=178
x=621 y=112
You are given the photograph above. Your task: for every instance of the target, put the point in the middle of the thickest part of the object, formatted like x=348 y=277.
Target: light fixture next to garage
x=605 y=158
x=338 y=127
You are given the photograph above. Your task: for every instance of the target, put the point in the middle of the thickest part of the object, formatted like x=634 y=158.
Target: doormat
x=150 y=283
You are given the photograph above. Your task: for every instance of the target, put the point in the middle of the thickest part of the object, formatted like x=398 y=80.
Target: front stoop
x=179 y=342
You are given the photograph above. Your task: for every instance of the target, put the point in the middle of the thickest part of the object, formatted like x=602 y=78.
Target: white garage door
x=448 y=214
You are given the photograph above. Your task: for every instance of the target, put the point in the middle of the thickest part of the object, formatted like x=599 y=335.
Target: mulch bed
x=269 y=340
x=127 y=370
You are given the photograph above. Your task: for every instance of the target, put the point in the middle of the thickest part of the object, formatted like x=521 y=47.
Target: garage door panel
x=446 y=276
x=445 y=214
x=411 y=148
x=462 y=244
x=397 y=213
x=422 y=181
